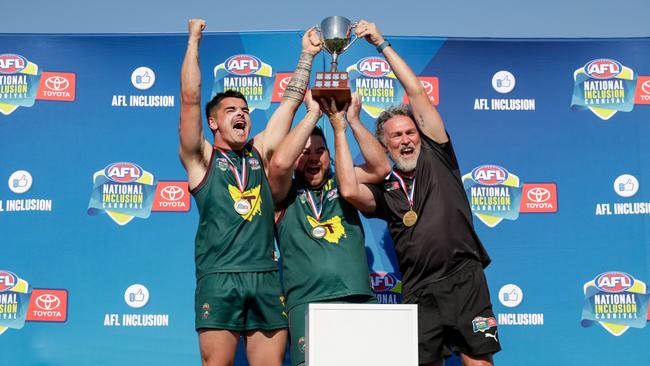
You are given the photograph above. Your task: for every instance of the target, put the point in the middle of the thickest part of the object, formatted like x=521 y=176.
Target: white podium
x=361 y=334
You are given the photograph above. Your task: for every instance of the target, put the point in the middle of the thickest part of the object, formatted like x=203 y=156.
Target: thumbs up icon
x=504 y=83
x=138 y=296
x=21 y=182
x=627 y=186
x=511 y=296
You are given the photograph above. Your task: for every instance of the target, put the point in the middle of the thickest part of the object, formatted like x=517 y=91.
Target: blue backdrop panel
x=552 y=138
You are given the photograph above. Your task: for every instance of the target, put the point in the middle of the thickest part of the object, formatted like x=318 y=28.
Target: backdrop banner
x=97 y=225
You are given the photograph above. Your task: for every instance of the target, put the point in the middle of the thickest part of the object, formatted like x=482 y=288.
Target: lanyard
x=241 y=180
x=409 y=195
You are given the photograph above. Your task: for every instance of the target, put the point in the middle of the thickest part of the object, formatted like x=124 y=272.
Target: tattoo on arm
x=420 y=119
x=300 y=79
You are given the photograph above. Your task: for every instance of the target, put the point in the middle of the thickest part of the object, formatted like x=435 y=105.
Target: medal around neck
x=410 y=218
x=243 y=207
x=318 y=232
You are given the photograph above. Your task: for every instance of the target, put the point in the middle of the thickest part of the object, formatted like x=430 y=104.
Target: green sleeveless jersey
x=236 y=215
x=322 y=257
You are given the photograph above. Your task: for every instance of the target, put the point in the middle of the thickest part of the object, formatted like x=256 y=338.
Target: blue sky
x=455 y=18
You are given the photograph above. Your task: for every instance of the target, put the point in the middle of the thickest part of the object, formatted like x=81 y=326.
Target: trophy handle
x=320 y=35
x=352 y=26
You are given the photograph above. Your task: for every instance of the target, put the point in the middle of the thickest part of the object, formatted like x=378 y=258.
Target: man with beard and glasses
x=423 y=201
x=238 y=289
x=320 y=234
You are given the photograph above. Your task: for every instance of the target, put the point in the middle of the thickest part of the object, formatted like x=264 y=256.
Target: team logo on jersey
x=122 y=190
x=604 y=86
x=333 y=229
x=615 y=300
x=375 y=82
x=252 y=196
x=332 y=194
x=248 y=75
x=391 y=185
x=254 y=163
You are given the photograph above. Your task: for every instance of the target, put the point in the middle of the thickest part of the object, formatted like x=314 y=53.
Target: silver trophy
x=335 y=33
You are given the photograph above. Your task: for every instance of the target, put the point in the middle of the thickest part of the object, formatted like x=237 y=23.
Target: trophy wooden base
x=332 y=85
x=340 y=95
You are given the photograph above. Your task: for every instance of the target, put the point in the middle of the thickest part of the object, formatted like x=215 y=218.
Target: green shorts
x=240 y=301
x=297 y=323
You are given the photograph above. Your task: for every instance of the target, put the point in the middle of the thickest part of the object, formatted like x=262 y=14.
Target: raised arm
x=194 y=149
x=284 y=159
x=376 y=166
x=349 y=187
x=280 y=122
x=426 y=115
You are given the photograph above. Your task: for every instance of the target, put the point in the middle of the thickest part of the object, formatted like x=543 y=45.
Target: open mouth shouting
x=239 y=127
x=407 y=151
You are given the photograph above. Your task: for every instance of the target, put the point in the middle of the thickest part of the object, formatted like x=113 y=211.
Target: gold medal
x=242 y=206
x=318 y=232
x=410 y=218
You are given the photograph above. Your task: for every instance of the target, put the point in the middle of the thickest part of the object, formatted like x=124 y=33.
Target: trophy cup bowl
x=335 y=33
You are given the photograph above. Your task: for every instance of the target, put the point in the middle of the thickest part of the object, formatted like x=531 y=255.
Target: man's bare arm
x=349 y=187
x=280 y=122
x=194 y=149
x=426 y=115
x=376 y=166
x=284 y=159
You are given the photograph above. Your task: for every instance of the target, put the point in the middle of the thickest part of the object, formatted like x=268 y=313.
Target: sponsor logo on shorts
x=205 y=311
x=481 y=324
x=301 y=344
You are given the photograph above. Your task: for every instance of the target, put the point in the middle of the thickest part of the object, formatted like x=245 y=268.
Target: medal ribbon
x=312 y=203
x=241 y=181
x=409 y=195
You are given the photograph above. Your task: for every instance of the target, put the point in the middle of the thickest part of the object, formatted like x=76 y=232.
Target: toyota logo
x=172 y=193
x=539 y=194
x=57 y=83
x=47 y=302
x=646 y=87
x=284 y=82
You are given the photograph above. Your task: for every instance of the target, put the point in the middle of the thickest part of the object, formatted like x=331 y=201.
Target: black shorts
x=455 y=315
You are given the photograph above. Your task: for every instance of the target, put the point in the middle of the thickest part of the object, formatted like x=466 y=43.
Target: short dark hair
x=221 y=96
x=317 y=131
x=396 y=110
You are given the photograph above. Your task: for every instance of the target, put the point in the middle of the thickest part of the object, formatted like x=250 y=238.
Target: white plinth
x=361 y=334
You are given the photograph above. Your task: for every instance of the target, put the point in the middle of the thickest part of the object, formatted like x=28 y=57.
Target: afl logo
x=8 y=281
x=373 y=67
x=11 y=64
x=123 y=172
x=382 y=282
x=489 y=175
x=603 y=68
x=243 y=65
x=614 y=282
